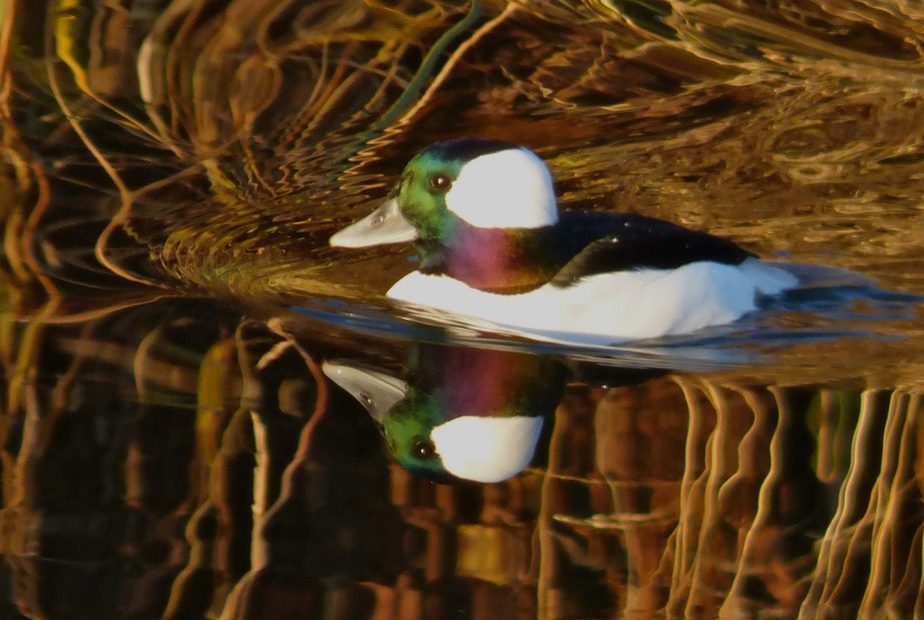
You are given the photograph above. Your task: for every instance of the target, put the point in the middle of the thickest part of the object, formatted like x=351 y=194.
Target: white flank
x=507 y=189
x=610 y=307
x=487 y=449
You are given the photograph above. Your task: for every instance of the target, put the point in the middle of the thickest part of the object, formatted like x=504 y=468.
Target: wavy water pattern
x=171 y=173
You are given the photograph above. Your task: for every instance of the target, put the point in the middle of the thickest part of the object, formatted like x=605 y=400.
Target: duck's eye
x=423 y=448
x=440 y=183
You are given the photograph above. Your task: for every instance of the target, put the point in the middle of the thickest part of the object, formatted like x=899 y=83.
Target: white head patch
x=487 y=449
x=507 y=189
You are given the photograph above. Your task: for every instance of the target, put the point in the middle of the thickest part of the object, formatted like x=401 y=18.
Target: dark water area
x=208 y=412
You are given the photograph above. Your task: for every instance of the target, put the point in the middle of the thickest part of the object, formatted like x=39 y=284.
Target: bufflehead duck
x=493 y=247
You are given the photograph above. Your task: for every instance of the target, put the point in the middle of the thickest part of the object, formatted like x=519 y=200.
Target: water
x=172 y=447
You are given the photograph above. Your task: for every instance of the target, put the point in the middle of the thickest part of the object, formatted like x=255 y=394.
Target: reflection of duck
x=473 y=414
x=493 y=246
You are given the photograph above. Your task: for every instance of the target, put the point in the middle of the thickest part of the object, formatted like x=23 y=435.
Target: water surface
x=171 y=446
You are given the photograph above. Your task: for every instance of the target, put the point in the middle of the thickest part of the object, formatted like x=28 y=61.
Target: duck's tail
x=769 y=278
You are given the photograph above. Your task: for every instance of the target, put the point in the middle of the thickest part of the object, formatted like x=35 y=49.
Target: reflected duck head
x=463 y=413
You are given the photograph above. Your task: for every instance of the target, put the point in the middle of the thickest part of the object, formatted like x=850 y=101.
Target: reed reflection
x=177 y=460
x=173 y=458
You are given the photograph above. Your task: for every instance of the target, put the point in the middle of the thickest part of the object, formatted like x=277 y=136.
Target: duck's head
x=474 y=415
x=451 y=185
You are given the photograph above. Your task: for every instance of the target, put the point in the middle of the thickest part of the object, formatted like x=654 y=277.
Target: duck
x=493 y=247
x=458 y=413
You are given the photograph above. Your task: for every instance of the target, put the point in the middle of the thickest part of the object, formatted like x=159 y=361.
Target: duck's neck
x=494 y=259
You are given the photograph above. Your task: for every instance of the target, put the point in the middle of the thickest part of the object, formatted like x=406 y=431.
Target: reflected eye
x=440 y=183
x=423 y=448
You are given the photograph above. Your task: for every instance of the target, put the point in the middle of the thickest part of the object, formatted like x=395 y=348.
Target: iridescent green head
x=481 y=183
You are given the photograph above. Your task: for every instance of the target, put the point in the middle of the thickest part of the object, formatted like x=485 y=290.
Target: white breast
x=609 y=307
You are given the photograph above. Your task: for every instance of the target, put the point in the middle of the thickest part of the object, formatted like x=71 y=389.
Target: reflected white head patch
x=487 y=449
x=507 y=189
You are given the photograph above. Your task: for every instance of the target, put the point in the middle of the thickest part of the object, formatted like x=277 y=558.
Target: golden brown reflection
x=169 y=458
x=174 y=460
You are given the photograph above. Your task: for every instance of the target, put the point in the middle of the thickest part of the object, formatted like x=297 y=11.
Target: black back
x=465 y=149
x=603 y=242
